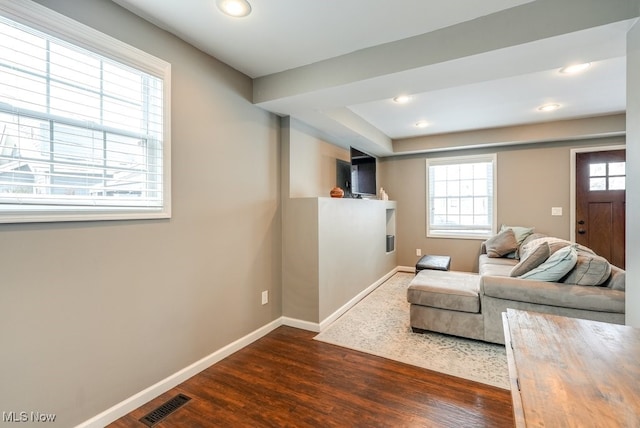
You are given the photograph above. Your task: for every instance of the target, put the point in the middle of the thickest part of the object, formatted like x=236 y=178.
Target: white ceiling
x=287 y=46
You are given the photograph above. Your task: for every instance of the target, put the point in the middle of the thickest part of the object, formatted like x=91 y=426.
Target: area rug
x=379 y=325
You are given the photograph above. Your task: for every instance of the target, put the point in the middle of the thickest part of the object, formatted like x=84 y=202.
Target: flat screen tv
x=363 y=174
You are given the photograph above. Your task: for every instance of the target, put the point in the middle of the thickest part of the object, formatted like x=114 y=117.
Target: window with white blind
x=83 y=122
x=461 y=197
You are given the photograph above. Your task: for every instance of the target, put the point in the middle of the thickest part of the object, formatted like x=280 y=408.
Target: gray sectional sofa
x=470 y=305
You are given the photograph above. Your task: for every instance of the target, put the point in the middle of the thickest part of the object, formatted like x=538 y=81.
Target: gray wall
x=312 y=171
x=530 y=180
x=333 y=249
x=95 y=312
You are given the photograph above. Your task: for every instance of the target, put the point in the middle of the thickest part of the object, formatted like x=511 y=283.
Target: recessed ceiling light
x=235 y=8
x=575 y=68
x=422 y=124
x=402 y=99
x=549 y=107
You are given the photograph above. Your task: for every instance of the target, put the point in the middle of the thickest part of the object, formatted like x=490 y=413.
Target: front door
x=600 y=203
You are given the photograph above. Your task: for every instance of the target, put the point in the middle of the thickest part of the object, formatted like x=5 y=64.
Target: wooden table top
x=572 y=372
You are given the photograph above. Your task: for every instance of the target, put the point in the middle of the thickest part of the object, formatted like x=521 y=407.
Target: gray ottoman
x=433 y=262
x=446 y=302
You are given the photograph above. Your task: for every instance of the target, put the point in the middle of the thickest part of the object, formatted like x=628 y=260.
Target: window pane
x=125 y=152
x=616 y=183
x=466 y=171
x=466 y=220
x=439 y=173
x=480 y=170
x=22 y=90
x=72 y=66
x=466 y=206
x=440 y=188
x=453 y=188
x=480 y=206
x=439 y=220
x=453 y=206
x=75 y=103
x=453 y=172
x=617 y=168
x=480 y=188
x=598 y=183
x=466 y=188
x=481 y=220
x=439 y=206
x=121 y=114
x=22 y=50
x=597 y=170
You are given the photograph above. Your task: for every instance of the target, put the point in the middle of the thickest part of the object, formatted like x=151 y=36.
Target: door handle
x=581 y=222
x=582 y=231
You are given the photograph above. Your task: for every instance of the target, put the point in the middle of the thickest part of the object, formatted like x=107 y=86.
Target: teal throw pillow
x=555 y=267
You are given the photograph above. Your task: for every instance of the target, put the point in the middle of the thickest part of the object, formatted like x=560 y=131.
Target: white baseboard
x=137 y=400
x=351 y=303
x=130 y=404
x=410 y=269
x=303 y=325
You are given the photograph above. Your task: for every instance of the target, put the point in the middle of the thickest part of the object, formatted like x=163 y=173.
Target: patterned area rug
x=379 y=325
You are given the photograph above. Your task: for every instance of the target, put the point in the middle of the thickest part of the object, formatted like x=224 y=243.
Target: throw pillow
x=555 y=267
x=531 y=260
x=501 y=244
x=554 y=244
x=521 y=234
x=590 y=269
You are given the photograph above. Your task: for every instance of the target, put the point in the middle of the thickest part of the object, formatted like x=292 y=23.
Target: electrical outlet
x=265 y=297
x=418 y=252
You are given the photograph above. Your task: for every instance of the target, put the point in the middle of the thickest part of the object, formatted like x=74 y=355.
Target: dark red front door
x=600 y=203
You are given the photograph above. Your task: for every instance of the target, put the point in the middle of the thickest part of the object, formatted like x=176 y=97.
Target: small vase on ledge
x=336 y=192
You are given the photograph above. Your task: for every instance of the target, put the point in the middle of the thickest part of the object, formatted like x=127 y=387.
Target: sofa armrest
x=589 y=298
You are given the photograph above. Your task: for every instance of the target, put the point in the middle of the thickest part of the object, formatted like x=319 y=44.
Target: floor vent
x=164 y=410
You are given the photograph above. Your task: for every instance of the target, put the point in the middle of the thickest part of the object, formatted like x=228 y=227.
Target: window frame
x=434 y=232
x=59 y=26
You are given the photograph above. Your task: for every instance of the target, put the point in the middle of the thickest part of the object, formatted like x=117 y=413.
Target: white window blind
x=461 y=196
x=82 y=136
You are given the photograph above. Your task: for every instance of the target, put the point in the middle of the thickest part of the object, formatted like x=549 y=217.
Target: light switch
x=556 y=210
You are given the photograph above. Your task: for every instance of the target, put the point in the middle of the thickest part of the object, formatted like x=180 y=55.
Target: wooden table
x=567 y=372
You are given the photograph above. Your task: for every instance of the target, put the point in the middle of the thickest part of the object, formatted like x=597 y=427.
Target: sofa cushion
x=555 y=267
x=617 y=279
x=498 y=266
x=501 y=244
x=456 y=291
x=590 y=269
x=532 y=259
x=553 y=294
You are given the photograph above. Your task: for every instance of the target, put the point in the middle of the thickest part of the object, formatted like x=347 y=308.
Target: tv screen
x=363 y=173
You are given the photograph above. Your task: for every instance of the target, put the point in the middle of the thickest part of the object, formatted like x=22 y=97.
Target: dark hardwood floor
x=287 y=379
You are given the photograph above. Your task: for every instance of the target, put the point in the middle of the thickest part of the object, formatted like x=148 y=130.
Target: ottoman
x=433 y=262
x=446 y=302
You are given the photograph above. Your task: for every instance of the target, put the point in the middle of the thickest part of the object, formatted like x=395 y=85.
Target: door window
x=607 y=176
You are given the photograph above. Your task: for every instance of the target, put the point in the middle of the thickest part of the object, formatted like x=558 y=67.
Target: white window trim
x=48 y=21
x=449 y=234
